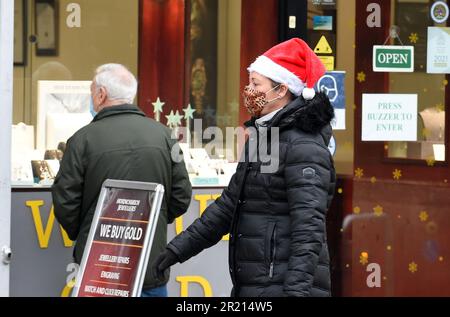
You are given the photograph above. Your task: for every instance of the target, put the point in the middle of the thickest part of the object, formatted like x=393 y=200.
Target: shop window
x=413 y=19
x=58 y=46
x=215 y=43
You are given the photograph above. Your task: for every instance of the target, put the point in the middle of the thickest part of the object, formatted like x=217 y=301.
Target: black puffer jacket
x=276 y=220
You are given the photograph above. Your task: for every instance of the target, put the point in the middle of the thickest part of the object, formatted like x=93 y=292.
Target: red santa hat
x=292 y=63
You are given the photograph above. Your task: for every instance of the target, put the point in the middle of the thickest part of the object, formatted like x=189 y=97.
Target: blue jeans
x=155 y=292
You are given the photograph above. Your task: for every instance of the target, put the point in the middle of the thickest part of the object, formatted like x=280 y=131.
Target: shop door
x=396 y=235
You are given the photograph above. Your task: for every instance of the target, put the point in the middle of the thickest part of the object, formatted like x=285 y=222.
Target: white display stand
x=61 y=126
x=433 y=145
x=60 y=97
x=434 y=123
x=22 y=148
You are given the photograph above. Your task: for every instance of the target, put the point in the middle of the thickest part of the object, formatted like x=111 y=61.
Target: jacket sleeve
x=209 y=229
x=181 y=191
x=67 y=190
x=308 y=176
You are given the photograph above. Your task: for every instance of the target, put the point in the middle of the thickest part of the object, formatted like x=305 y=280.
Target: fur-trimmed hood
x=310 y=116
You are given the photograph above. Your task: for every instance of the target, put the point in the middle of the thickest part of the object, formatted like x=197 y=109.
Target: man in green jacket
x=120 y=143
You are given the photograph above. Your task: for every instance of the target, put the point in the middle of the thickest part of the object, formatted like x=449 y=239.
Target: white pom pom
x=308 y=93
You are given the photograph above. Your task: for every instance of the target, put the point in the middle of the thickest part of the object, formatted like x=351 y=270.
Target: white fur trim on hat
x=268 y=68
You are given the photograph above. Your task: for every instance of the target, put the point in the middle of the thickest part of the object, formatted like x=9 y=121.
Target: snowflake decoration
x=364 y=258
x=359 y=172
x=413 y=38
x=412 y=267
x=378 y=210
x=397 y=174
x=361 y=77
x=423 y=216
x=431 y=161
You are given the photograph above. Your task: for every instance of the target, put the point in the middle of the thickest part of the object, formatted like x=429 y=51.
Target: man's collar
x=120 y=109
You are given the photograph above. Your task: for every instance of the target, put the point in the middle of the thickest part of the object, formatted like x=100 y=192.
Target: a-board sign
x=120 y=240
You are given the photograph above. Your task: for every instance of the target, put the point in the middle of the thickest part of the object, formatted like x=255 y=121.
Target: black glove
x=165 y=260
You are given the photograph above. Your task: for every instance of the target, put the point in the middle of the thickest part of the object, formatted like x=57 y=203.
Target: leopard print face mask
x=255 y=100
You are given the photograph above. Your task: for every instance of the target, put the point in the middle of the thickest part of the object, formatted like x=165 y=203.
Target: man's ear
x=102 y=95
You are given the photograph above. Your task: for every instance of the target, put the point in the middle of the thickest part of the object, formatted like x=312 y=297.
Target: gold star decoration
x=413 y=38
x=373 y=179
x=412 y=267
x=423 y=216
x=425 y=132
x=440 y=107
x=397 y=174
x=359 y=172
x=361 y=77
x=357 y=210
x=431 y=161
x=340 y=190
x=378 y=210
x=364 y=258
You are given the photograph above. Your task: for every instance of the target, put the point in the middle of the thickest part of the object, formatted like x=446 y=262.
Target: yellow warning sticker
x=323 y=47
x=328 y=62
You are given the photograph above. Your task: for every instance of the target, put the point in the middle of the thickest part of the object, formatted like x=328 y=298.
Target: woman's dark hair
x=277 y=85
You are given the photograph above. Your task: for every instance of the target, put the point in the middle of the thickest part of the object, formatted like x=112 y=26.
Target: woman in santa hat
x=275 y=213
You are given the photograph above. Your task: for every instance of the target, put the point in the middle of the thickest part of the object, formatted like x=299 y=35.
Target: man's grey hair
x=119 y=82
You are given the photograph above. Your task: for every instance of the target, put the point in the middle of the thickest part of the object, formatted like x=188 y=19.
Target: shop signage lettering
x=389 y=117
x=393 y=58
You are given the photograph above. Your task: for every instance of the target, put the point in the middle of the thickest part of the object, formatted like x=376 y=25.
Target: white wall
x=6 y=79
